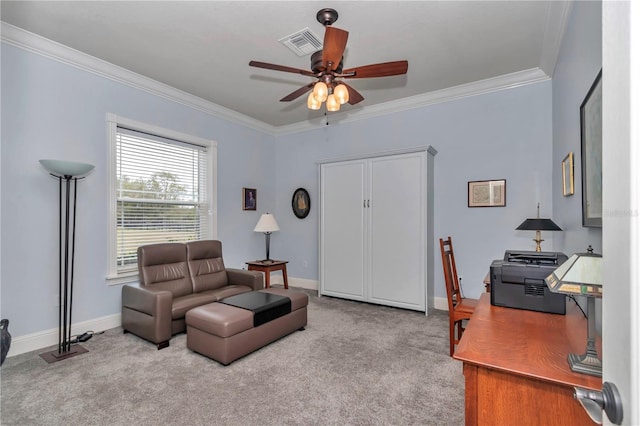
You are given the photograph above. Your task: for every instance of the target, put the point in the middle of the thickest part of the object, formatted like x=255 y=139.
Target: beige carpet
x=355 y=364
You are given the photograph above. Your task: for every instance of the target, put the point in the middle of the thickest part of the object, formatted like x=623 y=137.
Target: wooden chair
x=460 y=308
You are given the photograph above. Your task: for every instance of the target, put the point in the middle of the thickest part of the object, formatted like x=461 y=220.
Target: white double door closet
x=376 y=226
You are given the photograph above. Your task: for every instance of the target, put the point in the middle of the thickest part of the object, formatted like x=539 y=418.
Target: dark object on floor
x=5 y=339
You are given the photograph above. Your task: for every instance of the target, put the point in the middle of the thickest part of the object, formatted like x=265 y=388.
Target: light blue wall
x=579 y=62
x=52 y=110
x=500 y=135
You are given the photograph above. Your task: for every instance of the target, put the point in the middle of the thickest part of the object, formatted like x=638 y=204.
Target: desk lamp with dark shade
x=67 y=172
x=538 y=224
x=267 y=225
x=581 y=275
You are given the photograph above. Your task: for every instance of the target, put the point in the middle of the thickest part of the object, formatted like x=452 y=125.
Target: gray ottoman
x=224 y=332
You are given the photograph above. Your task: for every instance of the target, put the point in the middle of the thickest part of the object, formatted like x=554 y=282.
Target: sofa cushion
x=164 y=267
x=206 y=266
x=181 y=305
x=227 y=291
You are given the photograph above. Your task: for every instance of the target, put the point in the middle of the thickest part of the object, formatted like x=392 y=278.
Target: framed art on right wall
x=567 y=175
x=591 y=142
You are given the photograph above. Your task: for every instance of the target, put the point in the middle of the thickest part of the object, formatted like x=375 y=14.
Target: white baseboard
x=441 y=303
x=296 y=282
x=46 y=338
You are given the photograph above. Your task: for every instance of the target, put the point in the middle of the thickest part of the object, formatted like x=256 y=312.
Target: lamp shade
x=313 y=103
x=267 y=224
x=341 y=93
x=66 y=168
x=538 y=224
x=581 y=274
x=332 y=103
x=320 y=91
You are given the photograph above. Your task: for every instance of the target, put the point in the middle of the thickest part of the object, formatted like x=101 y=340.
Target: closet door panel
x=343 y=230
x=396 y=223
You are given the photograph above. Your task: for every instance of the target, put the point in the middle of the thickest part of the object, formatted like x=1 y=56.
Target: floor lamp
x=66 y=171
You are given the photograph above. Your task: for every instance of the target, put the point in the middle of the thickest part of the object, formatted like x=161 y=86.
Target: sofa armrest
x=251 y=279
x=156 y=303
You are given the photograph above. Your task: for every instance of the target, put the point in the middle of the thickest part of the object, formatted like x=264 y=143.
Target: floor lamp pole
x=66 y=258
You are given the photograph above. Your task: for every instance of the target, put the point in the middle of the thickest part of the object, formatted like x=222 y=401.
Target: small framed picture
x=487 y=193
x=567 y=175
x=249 y=198
x=301 y=203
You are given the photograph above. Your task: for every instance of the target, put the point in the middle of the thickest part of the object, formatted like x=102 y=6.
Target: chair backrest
x=206 y=266
x=164 y=267
x=451 y=282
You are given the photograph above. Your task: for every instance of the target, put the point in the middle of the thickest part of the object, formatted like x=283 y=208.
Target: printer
x=517 y=281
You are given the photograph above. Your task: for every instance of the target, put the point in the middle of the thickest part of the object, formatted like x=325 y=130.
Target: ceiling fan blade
x=281 y=68
x=296 y=94
x=354 y=96
x=385 y=69
x=335 y=41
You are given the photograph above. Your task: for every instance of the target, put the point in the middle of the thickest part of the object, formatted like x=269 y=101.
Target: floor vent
x=302 y=42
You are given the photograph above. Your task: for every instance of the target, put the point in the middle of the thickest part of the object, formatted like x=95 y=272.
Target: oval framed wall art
x=301 y=203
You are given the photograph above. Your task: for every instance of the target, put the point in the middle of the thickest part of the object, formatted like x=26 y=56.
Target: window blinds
x=161 y=193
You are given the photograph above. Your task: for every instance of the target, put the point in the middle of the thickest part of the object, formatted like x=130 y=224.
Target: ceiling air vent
x=302 y=42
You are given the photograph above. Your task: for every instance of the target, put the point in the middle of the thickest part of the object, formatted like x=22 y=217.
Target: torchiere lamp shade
x=66 y=168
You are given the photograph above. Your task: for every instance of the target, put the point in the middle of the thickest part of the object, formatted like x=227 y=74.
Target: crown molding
x=34 y=43
x=557 y=19
x=489 y=85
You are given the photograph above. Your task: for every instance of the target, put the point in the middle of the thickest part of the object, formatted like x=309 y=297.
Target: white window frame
x=113 y=121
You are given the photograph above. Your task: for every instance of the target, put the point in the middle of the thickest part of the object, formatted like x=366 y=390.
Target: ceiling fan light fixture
x=313 y=103
x=341 y=93
x=332 y=103
x=320 y=91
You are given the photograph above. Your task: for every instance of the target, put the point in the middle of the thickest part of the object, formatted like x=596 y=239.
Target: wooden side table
x=268 y=266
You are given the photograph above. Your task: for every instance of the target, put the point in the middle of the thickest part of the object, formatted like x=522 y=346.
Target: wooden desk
x=267 y=267
x=487 y=282
x=515 y=366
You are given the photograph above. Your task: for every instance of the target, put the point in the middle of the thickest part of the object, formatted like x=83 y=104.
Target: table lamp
x=581 y=275
x=538 y=225
x=267 y=224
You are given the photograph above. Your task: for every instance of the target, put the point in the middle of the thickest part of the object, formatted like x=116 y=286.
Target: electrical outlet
x=305 y=264
x=56 y=301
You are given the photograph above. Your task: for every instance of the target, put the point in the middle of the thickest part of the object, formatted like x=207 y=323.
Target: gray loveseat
x=175 y=278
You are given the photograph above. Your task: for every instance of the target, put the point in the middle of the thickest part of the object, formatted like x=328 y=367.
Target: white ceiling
x=204 y=47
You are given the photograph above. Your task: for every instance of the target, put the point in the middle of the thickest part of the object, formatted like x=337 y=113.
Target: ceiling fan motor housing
x=317 y=66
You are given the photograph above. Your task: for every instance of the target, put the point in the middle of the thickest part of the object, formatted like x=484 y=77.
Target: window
x=162 y=190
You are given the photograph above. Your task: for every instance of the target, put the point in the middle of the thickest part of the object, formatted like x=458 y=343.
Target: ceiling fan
x=326 y=67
